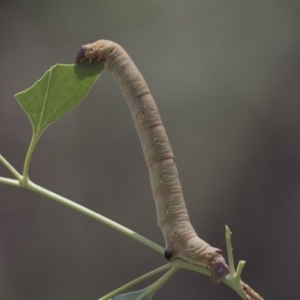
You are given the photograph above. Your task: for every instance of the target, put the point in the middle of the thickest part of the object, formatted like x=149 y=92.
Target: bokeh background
x=225 y=75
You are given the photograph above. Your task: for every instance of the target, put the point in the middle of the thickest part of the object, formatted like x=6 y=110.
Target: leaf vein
x=64 y=102
x=39 y=125
x=29 y=102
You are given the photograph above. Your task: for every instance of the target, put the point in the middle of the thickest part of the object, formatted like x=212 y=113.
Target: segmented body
x=180 y=237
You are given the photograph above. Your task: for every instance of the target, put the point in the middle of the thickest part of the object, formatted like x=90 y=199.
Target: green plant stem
x=136 y=281
x=62 y=200
x=31 y=148
x=26 y=183
x=192 y=267
x=153 y=288
x=229 y=250
x=233 y=279
x=235 y=283
x=240 y=268
x=9 y=181
x=10 y=167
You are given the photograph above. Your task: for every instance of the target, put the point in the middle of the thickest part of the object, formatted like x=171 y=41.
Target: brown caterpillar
x=180 y=237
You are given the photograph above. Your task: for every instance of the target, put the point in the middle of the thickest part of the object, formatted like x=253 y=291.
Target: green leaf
x=60 y=89
x=144 y=294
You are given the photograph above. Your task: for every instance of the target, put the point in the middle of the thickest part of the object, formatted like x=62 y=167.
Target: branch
x=249 y=293
x=62 y=200
x=233 y=279
x=9 y=181
x=10 y=167
x=136 y=281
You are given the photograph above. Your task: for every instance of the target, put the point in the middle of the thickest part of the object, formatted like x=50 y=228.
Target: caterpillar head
x=219 y=269
x=88 y=52
x=80 y=57
x=100 y=50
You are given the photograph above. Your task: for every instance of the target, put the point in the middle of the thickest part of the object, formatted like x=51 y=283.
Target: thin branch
x=192 y=267
x=229 y=250
x=240 y=268
x=153 y=288
x=10 y=168
x=136 y=281
x=233 y=281
x=30 y=150
x=62 y=200
x=234 y=278
x=249 y=293
x=9 y=181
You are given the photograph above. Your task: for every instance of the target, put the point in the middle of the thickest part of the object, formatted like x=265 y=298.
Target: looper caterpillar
x=180 y=237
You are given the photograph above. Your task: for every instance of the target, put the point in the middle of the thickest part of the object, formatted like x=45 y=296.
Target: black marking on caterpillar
x=168 y=254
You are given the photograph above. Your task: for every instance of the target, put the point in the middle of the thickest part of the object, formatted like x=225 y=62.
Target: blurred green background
x=225 y=75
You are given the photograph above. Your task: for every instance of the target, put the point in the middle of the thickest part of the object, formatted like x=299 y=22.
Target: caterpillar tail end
x=80 y=57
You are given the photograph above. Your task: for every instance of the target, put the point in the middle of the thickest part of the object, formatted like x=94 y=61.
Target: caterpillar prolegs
x=180 y=237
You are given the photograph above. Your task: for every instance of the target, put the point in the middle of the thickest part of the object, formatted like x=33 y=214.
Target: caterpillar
x=180 y=237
